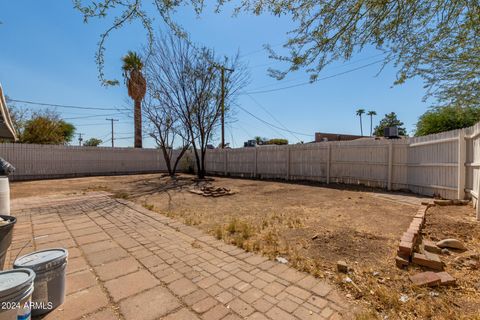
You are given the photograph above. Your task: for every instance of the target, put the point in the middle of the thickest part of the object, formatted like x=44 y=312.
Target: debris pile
x=432 y=279
x=409 y=239
x=426 y=253
x=212 y=191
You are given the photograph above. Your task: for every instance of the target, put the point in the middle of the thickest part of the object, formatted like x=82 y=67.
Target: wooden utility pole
x=222 y=99
x=113 y=138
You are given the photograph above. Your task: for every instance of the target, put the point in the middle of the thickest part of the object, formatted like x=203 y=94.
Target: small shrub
x=192 y=221
x=121 y=195
x=218 y=232
x=148 y=206
x=232 y=226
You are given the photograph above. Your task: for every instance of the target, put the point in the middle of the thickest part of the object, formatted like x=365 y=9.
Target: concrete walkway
x=127 y=262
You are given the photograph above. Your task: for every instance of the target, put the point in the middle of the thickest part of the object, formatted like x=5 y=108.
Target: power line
x=89 y=124
x=278 y=132
x=63 y=105
x=92 y=116
x=271 y=115
x=243 y=129
x=320 y=79
x=272 y=125
x=104 y=136
x=329 y=69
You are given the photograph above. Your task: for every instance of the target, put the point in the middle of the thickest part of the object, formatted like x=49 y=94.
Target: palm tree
x=359 y=113
x=371 y=114
x=137 y=86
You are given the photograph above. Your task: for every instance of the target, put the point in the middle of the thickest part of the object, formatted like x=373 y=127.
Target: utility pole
x=113 y=139
x=80 y=139
x=222 y=101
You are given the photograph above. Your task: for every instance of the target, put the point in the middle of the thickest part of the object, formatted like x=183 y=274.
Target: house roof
x=6 y=126
x=336 y=136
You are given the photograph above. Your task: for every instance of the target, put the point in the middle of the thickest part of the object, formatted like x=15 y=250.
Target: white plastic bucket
x=16 y=288
x=4 y=196
x=50 y=269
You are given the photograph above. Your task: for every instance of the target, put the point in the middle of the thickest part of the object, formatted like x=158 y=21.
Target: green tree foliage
x=437 y=40
x=92 y=142
x=390 y=120
x=46 y=128
x=277 y=141
x=441 y=119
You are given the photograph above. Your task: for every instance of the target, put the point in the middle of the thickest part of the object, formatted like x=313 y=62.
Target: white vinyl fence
x=34 y=161
x=445 y=164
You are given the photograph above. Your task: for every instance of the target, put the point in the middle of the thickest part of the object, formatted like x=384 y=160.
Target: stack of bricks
x=410 y=238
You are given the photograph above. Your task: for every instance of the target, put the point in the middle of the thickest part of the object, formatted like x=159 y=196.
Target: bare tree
x=185 y=81
x=167 y=131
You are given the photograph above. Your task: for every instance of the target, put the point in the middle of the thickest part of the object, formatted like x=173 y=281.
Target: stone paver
x=126 y=262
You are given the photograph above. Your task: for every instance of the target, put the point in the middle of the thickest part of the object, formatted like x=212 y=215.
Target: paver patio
x=126 y=262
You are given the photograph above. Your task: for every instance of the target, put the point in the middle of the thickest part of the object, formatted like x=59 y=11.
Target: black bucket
x=6 y=232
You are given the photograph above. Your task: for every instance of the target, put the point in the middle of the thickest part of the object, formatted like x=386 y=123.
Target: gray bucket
x=50 y=268
x=16 y=287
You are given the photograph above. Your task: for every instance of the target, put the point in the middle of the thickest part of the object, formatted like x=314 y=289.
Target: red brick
x=446 y=279
x=183 y=314
x=204 y=305
x=106 y=256
x=322 y=288
x=405 y=249
x=76 y=264
x=117 y=268
x=149 y=305
x=107 y=314
x=429 y=260
x=418 y=221
x=415 y=229
x=80 y=280
x=420 y=215
x=408 y=237
x=131 y=284
x=278 y=314
x=215 y=313
x=242 y=308
x=194 y=297
x=79 y=304
x=182 y=287
x=428 y=278
x=430 y=246
x=401 y=262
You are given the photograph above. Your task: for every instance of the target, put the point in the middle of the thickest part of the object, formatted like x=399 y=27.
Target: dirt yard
x=312 y=227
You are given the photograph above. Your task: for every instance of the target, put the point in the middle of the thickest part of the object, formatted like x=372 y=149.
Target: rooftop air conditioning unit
x=391 y=133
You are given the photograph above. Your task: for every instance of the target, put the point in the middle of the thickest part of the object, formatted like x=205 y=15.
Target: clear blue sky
x=47 y=55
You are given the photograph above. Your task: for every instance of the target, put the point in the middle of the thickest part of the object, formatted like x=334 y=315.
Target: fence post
x=329 y=152
x=255 y=168
x=225 y=162
x=390 y=166
x=462 y=157
x=288 y=162
x=477 y=203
